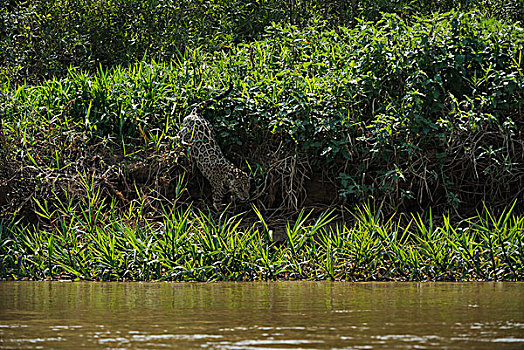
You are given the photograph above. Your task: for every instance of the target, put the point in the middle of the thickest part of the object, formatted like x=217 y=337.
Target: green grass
x=91 y=240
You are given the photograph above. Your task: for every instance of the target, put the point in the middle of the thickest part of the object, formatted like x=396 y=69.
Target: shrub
x=410 y=112
x=41 y=39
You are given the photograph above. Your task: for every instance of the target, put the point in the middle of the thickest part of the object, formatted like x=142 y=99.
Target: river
x=276 y=315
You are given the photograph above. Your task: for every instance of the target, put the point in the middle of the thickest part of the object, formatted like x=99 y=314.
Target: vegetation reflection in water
x=254 y=315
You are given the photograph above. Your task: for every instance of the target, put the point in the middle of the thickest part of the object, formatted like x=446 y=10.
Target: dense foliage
x=412 y=113
x=409 y=105
x=42 y=38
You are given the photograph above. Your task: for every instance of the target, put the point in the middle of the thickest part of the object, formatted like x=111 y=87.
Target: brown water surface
x=282 y=315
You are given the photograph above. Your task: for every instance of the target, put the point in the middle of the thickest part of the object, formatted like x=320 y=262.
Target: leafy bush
x=41 y=39
x=410 y=112
x=407 y=112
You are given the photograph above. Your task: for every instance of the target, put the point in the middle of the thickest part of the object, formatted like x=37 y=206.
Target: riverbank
x=416 y=110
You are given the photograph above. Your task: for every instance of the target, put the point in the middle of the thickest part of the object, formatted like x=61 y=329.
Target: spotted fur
x=223 y=176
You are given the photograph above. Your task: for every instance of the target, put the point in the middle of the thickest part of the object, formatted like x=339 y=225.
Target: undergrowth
x=40 y=39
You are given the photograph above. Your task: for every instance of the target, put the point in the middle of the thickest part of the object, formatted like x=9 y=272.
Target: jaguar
x=197 y=132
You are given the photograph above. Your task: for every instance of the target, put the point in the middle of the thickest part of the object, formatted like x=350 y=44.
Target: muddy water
x=307 y=315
